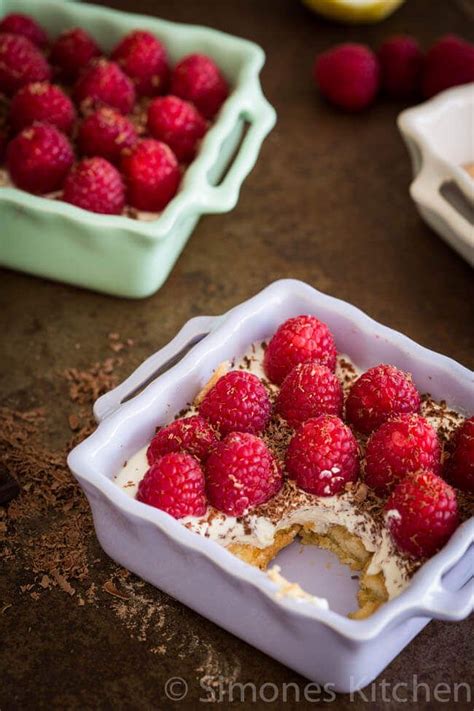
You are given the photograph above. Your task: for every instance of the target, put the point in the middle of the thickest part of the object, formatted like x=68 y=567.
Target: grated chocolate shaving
x=111 y=589
x=46 y=532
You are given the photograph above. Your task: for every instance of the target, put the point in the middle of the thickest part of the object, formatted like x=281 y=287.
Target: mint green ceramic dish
x=118 y=255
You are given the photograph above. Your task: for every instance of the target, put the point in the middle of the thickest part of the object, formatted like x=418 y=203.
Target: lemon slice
x=354 y=11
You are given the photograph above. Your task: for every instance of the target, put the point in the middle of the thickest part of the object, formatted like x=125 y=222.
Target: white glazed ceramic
x=323 y=645
x=440 y=138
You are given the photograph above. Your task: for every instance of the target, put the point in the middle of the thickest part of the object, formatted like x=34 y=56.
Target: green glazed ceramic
x=119 y=255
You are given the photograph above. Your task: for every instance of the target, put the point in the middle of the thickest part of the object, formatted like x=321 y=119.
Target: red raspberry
x=309 y=390
x=106 y=133
x=241 y=473
x=104 y=83
x=143 y=58
x=402 y=445
x=17 y=24
x=175 y=484
x=178 y=124
x=449 y=62
x=301 y=339
x=3 y=143
x=323 y=456
x=72 y=51
x=197 y=78
x=4 y=128
x=94 y=184
x=42 y=101
x=238 y=402
x=152 y=175
x=421 y=514
x=348 y=75
x=20 y=63
x=401 y=63
x=381 y=392
x=38 y=158
x=188 y=434
x=460 y=465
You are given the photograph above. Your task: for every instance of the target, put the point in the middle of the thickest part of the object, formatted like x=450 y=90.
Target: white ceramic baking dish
x=439 y=135
x=323 y=645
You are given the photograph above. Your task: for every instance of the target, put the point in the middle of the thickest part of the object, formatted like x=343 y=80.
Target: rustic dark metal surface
x=327 y=203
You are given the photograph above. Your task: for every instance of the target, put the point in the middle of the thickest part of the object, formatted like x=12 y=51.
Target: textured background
x=327 y=203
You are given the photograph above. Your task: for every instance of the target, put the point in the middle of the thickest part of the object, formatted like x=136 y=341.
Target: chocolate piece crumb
x=111 y=589
x=74 y=422
x=9 y=487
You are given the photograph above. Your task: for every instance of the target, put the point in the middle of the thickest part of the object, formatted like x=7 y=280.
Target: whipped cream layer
x=357 y=509
x=289 y=507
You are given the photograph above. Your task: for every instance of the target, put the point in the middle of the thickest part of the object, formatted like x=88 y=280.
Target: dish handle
x=260 y=116
x=440 y=603
x=191 y=333
x=425 y=190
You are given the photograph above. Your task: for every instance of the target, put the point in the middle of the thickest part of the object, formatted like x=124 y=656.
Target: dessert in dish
x=291 y=440
x=469 y=168
x=109 y=134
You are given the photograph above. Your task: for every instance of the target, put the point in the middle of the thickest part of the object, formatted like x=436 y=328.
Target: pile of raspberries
x=101 y=132
x=219 y=457
x=351 y=75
